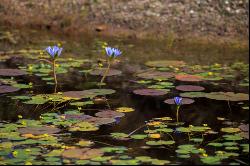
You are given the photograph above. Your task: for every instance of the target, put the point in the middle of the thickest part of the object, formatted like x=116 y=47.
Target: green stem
x=106 y=72
x=54 y=70
x=177 y=113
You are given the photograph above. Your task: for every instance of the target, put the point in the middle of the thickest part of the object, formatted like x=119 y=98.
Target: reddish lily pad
x=101 y=72
x=190 y=88
x=244 y=127
x=156 y=75
x=165 y=63
x=80 y=117
x=149 y=92
x=83 y=154
x=12 y=72
x=100 y=121
x=188 y=78
x=184 y=101
x=38 y=130
x=109 y=114
x=8 y=89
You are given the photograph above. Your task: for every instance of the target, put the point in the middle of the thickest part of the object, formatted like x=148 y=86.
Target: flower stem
x=177 y=113
x=54 y=70
x=106 y=72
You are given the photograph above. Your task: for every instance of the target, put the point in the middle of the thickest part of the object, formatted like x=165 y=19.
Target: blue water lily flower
x=178 y=100
x=54 y=51
x=113 y=52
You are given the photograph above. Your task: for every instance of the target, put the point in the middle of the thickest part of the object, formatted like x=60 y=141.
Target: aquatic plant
x=178 y=102
x=54 y=52
x=112 y=53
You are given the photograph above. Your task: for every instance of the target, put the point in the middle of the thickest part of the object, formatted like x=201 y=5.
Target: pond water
x=132 y=118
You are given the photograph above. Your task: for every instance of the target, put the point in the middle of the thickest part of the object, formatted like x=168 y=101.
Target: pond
x=133 y=117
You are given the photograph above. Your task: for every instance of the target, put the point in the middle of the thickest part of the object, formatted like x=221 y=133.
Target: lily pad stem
x=54 y=70
x=177 y=113
x=106 y=72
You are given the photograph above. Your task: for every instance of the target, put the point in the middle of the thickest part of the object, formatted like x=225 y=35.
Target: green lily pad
x=83 y=154
x=157 y=143
x=88 y=93
x=230 y=130
x=83 y=126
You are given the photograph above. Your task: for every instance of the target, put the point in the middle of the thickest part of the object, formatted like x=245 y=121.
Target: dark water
x=135 y=53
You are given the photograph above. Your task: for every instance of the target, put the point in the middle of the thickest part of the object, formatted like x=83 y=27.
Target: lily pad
x=188 y=78
x=165 y=63
x=83 y=154
x=83 y=126
x=12 y=72
x=39 y=130
x=156 y=143
x=8 y=89
x=185 y=101
x=149 y=92
x=156 y=75
x=230 y=130
x=229 y=96
x=109 y=114
x=189 y=88
x=101 y=72
x=124 y=109
x=100 y=121
x=88 y=93
x=80 y=117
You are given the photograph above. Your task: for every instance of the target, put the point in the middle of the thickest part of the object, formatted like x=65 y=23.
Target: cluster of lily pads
x=51 y=139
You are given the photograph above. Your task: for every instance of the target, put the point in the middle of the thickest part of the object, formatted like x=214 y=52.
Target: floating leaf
x=188 y=78
x=149 y=92
x=230 y=130
x=100 y=121
x=83 y=126
x=8 y=89
x=80 y=117
x=101 y=72
x=85 y=143
x=156 y=143
x=119 y=135
x=38 y=130
x=88 y=93
x=165 y=63
x=215 y=144
x=183 y=102
x=124 y=109
x=139 y=136
x=83 y=154
x=156 y=75
x=109 y=114
x=12 y=72
x=189 y=88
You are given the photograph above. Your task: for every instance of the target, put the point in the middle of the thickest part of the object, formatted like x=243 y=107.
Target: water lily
x=113 y=52
x=178 y=100
x=54 y=51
